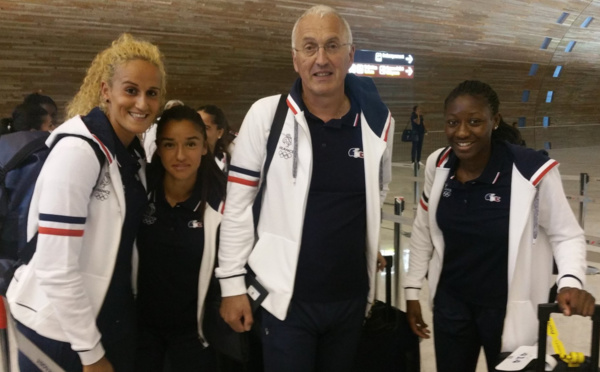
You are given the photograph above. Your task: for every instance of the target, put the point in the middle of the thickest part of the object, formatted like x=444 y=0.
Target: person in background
x=316 y=252
x=27 y=116
x=177 y=245
x=47 y=104
x=491 y=218
x=418 y=135
x=148 y=138
x=74 y=299
x=508 y=133
x=217 y=129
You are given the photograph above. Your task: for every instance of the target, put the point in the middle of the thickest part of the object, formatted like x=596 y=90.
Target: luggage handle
x=389 y=262
x=544 y=311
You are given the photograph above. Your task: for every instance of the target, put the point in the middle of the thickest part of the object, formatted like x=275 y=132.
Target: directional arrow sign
x=383 y=64
x=387 y=58
x=382 y=71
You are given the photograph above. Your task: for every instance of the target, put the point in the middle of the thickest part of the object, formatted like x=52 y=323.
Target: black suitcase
x=387 y=343
x=589 y=365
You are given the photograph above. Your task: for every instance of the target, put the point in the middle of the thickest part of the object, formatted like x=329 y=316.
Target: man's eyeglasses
x=330 y=48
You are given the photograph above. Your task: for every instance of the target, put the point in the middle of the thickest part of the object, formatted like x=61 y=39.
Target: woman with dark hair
x=45 y=102
x=492 y=217
x=27 y=116
x=217 y=132
x=177 y=245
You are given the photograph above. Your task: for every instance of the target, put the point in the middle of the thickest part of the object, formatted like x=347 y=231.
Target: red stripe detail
x=60 y=232
x=222 y=207
x=242 y=181
x=537 y=180
x=104 y=149
x=443 y=158
x=289 y=103
x=423 y=205
x=388 y=127
x=3 y=318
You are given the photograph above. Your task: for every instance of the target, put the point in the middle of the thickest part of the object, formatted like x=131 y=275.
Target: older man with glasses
x=316 y=251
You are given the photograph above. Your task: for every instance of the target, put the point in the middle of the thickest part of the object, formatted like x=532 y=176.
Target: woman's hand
x=103 y=365
x=415 y=319
x=574 y=301
x=381 y=262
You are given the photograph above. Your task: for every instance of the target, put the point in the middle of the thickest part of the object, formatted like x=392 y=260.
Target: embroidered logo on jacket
x=286 y=150
x=356 y=153
x=491 y=197
x=101 y=191
x=447 y=192
x=149 y=218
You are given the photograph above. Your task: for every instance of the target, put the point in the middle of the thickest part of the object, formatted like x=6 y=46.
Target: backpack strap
x=27 y=150
x=99 y=153
x=26 y=253
x=274 y=135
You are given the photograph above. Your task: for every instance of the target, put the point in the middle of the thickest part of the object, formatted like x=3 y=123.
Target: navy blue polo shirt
x=170 y=244
x=116 y=318
x=332 y=261
x=474 y=219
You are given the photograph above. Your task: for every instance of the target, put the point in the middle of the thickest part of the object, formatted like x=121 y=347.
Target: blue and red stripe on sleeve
x=243 y=176
x=61 y=225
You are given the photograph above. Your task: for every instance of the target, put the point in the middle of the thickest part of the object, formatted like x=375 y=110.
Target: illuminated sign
x=382 y=64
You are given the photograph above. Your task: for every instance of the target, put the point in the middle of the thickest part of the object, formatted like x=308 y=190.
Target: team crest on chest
x=286 y=149
x=101 y=191
x=149 y=218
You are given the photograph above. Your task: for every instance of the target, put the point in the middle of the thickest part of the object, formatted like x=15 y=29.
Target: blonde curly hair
x=124 y=49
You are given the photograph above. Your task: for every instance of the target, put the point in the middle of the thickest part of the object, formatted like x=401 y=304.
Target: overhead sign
x=382 y=64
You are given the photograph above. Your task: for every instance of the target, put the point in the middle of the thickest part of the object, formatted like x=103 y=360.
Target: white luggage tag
x=520 y=358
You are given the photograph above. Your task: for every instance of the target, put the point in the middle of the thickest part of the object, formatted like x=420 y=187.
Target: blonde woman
x=74 y=299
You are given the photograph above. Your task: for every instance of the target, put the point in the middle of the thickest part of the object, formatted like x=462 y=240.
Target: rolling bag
x=387 y=343
x=590 y=364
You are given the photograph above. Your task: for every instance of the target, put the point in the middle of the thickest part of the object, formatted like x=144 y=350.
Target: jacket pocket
x=520 y=325
x=273 y=260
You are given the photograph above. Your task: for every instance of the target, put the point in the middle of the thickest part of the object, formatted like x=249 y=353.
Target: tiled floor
x=575 y=333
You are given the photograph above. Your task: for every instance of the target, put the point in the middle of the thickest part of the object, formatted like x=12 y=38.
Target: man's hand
x=236 y=312
x=103 y=365
x=573 y=301
x=415 y=319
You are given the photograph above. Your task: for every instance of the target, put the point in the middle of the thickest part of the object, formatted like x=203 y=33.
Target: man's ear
x=294 y=54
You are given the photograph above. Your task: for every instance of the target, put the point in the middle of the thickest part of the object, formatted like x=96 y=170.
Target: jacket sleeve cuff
x=567 y=281
x=91 y=356
x=233 y=286
x=412 y=293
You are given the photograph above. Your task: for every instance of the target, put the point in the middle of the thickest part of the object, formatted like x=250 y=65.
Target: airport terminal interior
x=540 y=56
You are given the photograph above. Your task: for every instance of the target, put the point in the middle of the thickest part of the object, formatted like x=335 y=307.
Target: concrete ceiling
x=230 y=52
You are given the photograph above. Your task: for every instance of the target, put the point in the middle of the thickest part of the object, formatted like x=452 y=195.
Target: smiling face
x=213 y=133
x=322 y=74
x=181 y=146
x=469 y=125
x=133 y=98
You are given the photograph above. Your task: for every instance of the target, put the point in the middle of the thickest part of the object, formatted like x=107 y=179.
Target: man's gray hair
x=321 y=10
x=173 y=102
